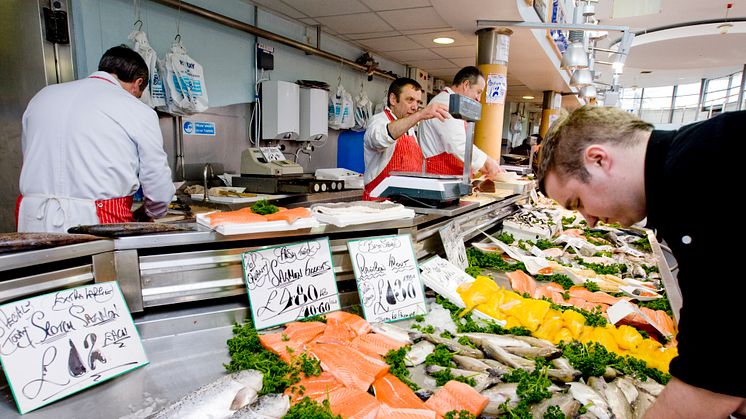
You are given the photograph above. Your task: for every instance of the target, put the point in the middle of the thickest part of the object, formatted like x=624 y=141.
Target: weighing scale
x=265 y=170
x=435 y=191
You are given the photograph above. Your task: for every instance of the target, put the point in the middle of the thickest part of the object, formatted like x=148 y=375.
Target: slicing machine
x=436 y=191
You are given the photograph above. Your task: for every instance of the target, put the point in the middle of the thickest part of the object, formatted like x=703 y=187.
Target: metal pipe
x=245 y=27
x=740 y=89
x=700 y=102
x=673 y=102
x=561 y=26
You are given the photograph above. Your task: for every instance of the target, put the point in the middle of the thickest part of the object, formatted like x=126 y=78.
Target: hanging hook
x=177 y=38
x=138 y=21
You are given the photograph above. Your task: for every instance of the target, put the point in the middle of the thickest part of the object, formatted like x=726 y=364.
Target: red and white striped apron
x=109 y=211
x=445 y=163
x=407 y=157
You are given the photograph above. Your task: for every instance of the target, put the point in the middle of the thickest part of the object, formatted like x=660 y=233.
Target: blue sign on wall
x=199 y=128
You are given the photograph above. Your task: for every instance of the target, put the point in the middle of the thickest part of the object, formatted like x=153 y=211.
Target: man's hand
x=434 y=110
x=491 y=168
x=141 y=216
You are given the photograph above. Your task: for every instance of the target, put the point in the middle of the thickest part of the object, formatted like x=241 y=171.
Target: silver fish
x=270 y=406
x=533 y=351
x=214 y=400
x=454 y=346
x=499 y=394
x=472 y=364
x=497 y=367
x=507 y=358
x=482 y=380
x=642 y=404
x=618 y=404
x=566 y=376
x=418 y=352
x=593 y=401
x=539 y=343
x=500 y=340
x=628 y=389
x=598 y=384
x=392 y=331
x=565 y=402
x=610 y=373
x=649 y=386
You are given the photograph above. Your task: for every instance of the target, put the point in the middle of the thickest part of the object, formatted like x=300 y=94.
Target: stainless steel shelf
x=54 y=254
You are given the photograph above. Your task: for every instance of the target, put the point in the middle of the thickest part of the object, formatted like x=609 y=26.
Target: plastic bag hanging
x=184 y=79
x=363 y=111
x=154 y=95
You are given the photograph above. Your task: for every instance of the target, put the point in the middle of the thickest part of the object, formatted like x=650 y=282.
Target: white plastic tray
x=282 y=225
x=363 y=218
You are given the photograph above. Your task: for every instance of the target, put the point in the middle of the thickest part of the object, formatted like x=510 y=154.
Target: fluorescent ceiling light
x=528 y=97
x=443 y=41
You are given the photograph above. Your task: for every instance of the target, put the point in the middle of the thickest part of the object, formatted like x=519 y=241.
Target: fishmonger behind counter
x=88 y=145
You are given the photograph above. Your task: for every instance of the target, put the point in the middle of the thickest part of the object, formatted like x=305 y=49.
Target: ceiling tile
x=428 y=30
x=469 y=51
x=309 y=21
x=413 y=54
x=420 y=18
x=393 y=43
x=358 y=23
x=280 y=7
x=463 y=62
x=426 y=39
x=379 y=5
x=314 y=8
x=371 y=35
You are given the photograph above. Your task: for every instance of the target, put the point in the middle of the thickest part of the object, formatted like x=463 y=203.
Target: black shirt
x=692 y=178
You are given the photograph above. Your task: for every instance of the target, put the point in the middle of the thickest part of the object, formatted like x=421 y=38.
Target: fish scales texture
x=125 y=229
x=270 y=406
x=14 y=242
x=213 y=400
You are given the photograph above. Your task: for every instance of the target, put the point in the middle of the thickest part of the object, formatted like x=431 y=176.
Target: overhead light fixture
x=581 y=77
x=725 y=27
x=618 y=67
x=574 y=57
x=587 y=92
x=528 y=97
x=443 y=41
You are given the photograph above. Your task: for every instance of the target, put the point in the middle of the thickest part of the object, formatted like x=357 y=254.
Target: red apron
x=445 y=163
x=407 y=157
x=109 y=211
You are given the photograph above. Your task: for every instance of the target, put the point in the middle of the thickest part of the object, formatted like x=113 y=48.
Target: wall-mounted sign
x=290 y=282
x=199 y=128
x=388 y=279
x=57 y=344
x=497 y=86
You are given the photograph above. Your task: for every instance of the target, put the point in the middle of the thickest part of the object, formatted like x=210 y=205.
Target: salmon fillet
x=392 y=392
x=289 y=215
x=399 y=413
x=353 y=404
x=295 y=337
x=521 y=282
x=242 y=216
x=316 y=388
x=358 y=324
x=373 y=344
x=351 y=367
x=456 y=396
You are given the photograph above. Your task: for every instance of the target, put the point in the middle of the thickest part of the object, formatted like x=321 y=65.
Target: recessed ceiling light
x=443 y=41
x=528 y=97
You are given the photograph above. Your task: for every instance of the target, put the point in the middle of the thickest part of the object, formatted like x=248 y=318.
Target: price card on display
x=453 y=243
x=57 y=344
x=290 y=282
x=388 y=279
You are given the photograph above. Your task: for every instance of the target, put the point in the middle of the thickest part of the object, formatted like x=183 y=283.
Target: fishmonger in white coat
x=88 y=145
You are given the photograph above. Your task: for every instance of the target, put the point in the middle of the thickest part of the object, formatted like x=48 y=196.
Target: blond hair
x=572 y=133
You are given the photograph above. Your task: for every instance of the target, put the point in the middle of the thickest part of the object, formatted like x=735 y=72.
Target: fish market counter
x=165 y=269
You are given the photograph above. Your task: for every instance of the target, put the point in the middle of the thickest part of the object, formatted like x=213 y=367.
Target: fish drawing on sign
x=94 y=354
x=74 y=364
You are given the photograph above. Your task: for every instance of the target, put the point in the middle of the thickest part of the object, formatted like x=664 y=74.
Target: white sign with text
x=453 y=243
x=290 y=282
x=388 y=279
x=57 y=344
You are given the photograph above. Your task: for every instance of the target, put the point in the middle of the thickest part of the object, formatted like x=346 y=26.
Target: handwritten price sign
x=388 y=279
x=290 y=282
x=57 y=344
